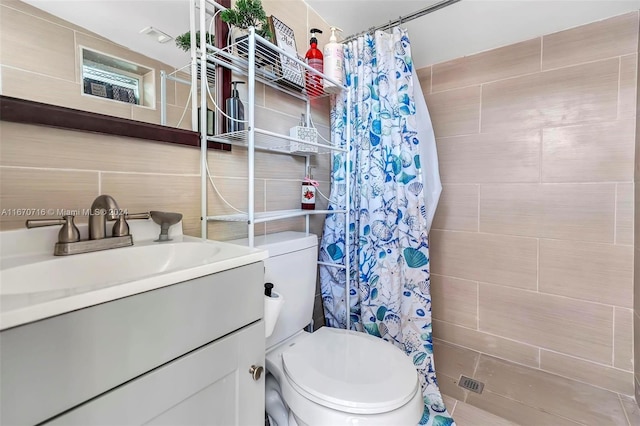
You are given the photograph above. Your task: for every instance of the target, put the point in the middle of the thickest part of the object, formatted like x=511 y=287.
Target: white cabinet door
x=209 y=386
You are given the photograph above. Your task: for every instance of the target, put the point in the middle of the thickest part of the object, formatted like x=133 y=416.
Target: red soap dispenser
x=315 y=60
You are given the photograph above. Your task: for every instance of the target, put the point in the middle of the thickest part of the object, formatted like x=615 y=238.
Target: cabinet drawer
x=52 y=365
x=210 y=386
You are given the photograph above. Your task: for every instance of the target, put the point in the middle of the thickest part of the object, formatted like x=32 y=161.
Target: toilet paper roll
x=272 y=307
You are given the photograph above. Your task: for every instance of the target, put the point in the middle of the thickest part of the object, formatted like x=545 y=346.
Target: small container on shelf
x=303 y=133
x=309 y=192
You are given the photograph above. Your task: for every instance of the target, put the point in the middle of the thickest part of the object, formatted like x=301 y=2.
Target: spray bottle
x=333 y=63
x=314 y=59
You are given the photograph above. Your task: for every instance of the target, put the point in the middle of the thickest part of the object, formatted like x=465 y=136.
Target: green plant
x=183 y=41
x=248 y=13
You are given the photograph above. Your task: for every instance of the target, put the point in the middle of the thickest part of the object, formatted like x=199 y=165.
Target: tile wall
x=532 y=247
x=49 y=168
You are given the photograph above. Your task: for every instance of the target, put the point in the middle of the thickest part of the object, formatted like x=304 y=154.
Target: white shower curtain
x=388 y=214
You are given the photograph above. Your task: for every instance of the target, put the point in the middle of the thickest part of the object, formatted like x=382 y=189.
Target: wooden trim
x=30 y=112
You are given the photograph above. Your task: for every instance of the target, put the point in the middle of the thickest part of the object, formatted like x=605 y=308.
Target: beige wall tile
x=578 y=212
x=498 y=259
x=424 y=76
x=454 y=361
x=542 y=391
x=295 y=224
x=457 y=209
x=455 y=112
x=27 y=145
x=597 y=272
x=582 y=329
x=496 y=64
x=450 y=403
x=278 y=166
x=234 y=191
x=516 y=411
x=589 y=153
x=454 y=300
x=599 y=375
x=144 y=192
x=624 y=214
x=579 y=94
x=623 y=339
x=274 y=121
x=48 y=190
x=513 y=209
x=36 y=45
x=628 y=83
x=283 y=103
x=229 y=163
x=487 y=343
x=490 y=157
x=469 y=415
x=636 y=348
x=598 y=40
x=283 y=194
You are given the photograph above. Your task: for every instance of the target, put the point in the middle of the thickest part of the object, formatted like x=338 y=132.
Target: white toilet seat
x=337 y=376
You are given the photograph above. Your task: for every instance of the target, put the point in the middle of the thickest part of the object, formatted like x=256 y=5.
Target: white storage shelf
x=266 y=140
x=261 y=217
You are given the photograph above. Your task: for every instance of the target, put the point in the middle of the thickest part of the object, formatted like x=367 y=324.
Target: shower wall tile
x=512 y=209
x=623 y=339
x=624 y=214
x=233 y=190
x=28 y=145
x=583 y=212
x=589 y=153
x=499 y=259
x=600 y=375
x=582 y=329
x=487 y=343
x=457 y=209
x=43 y=190
x=424 y=76
x=541 y=389
x=597 y=272
x=496 y=64
x=458 y=300
x=490 y=157
x=466 y=414
x=454 y=361
x=627 y=97
x=573 y=95
x=455 y=112
x=616 y=36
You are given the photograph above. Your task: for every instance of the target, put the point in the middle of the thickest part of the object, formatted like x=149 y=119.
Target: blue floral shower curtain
x=389 y=250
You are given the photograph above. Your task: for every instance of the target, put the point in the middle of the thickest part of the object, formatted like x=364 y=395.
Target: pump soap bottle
x=234 y=109
x=333 y=63
x=309 y=192
x=314 y=59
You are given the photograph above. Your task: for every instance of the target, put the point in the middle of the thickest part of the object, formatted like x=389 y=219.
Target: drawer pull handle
x=256 y=372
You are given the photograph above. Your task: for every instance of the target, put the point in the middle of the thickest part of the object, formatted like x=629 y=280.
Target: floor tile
x=468 y=415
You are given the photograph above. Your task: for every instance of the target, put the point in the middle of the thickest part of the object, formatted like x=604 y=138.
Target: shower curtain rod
x=402 y=19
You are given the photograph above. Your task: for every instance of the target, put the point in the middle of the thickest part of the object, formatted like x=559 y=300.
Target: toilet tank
x=292 y=269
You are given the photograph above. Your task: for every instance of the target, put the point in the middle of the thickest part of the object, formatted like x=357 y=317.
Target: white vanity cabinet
x=178 y=355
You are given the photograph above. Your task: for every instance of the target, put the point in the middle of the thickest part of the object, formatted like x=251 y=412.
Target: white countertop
x=30 y=292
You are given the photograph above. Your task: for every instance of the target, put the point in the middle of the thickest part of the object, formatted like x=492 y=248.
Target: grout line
x=541 y=51
x=455 y=404
x=540 y=358
x=624 y=410
x=48 y=169
x=599 y=364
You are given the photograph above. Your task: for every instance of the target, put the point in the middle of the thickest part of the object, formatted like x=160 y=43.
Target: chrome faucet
x=103 y=208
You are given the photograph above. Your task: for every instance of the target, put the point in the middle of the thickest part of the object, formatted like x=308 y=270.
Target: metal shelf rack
x=259 y=61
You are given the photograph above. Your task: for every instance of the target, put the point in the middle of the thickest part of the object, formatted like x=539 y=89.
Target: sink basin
x=105 y=268
x=35 y=286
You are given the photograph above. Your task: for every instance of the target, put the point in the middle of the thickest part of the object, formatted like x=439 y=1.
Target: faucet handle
x=121 y=227
x=165 y=220
x=69 y=233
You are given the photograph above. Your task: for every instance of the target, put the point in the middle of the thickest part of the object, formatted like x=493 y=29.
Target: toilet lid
x=351 y=372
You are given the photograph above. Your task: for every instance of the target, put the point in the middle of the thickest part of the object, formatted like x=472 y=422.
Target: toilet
x=330 y=377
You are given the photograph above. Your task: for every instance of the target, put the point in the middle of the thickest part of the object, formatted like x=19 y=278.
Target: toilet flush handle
x=256 y=372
